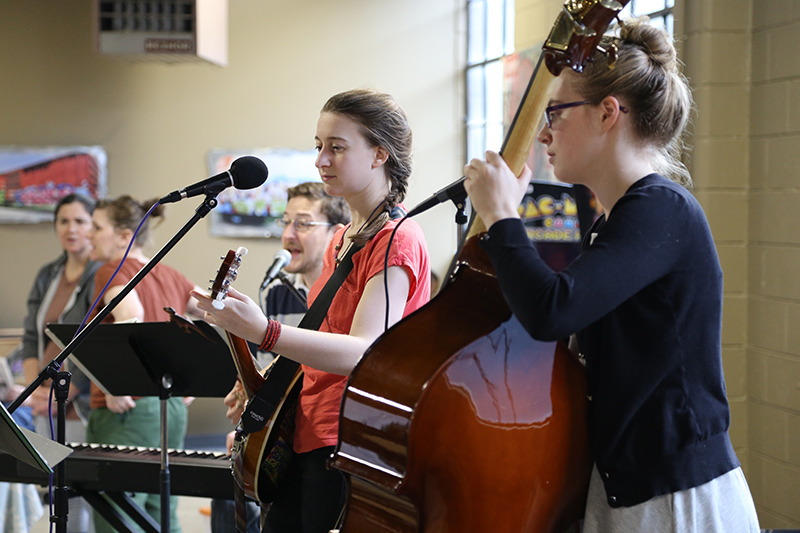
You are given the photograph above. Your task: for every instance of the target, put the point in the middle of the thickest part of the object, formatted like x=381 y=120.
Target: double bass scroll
x=456 y=419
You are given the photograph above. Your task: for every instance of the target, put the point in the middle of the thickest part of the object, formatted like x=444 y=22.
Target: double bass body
x=456 y=420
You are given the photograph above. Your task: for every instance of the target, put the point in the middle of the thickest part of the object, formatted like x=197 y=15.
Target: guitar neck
x=251 y=378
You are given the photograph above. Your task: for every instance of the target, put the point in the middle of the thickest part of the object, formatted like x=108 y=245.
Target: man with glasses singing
x=311 y=219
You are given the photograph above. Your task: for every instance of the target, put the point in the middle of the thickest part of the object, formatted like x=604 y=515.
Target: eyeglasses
x=548 y=111
x=300 y=224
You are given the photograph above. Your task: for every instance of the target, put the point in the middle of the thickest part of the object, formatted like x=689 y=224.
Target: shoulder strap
x=316 y=313
x=264 y=404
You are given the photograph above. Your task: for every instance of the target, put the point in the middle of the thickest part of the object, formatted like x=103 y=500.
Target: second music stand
x=164 y=359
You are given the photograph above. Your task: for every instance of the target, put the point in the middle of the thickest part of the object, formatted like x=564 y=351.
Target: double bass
x=456 y=419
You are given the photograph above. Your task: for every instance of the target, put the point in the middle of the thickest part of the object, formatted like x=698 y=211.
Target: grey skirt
x=723 y=505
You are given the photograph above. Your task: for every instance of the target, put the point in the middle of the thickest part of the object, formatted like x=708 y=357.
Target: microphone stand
x=51 y=371
x=458 y=196
x=289 y=285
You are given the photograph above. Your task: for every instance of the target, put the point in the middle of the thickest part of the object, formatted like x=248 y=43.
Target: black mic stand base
x=165 y=394
x=61 y=505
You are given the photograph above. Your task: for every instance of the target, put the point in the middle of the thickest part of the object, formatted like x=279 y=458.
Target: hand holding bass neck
x=573 y=39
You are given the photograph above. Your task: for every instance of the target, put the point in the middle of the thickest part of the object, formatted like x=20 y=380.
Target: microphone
x=247 y=172
x=282 y=258
x=455 y=192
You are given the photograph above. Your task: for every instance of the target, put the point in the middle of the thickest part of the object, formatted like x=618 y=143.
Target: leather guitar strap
x=261 y=407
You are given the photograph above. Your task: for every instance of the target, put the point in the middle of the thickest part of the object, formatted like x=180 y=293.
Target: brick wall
x=715 y=48
x=773 y=343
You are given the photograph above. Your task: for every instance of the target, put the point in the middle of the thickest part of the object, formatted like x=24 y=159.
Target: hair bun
x=654 y=41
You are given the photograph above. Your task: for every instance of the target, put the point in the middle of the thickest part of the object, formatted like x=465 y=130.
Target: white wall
x=157 y=122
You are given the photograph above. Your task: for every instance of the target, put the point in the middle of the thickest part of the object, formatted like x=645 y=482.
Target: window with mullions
x=490 y=36
x=659 y=11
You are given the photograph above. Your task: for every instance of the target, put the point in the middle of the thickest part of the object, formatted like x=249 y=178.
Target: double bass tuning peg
x=611 y=53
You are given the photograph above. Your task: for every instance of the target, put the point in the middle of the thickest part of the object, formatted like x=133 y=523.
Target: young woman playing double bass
x=644 y=297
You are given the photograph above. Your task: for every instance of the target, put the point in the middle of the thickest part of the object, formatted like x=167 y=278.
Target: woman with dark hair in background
x=62 y=293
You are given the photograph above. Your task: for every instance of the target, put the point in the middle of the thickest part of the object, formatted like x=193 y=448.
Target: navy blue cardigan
x=645 y=299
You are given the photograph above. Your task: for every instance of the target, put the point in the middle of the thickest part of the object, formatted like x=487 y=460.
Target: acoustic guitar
x=260 y=459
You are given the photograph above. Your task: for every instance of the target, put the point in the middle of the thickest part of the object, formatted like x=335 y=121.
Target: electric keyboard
x=100 y=467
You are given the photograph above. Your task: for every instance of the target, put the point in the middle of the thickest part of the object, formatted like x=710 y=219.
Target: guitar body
x=265 y=455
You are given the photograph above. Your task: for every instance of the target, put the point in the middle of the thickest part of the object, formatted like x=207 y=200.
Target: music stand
x=163 y=359
x=27 y=446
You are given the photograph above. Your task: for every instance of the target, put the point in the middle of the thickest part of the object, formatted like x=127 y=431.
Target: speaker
x=170 y=31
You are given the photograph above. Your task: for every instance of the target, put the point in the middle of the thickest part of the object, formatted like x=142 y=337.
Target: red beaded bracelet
x=271 y=336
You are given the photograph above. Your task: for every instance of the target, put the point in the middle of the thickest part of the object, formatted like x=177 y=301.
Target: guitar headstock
x=226 y=275
x=577 y=33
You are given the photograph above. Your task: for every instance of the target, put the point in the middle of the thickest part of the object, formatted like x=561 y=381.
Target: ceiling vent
x=169 y=31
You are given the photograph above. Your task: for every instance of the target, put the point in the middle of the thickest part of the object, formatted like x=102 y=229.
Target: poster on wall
x=556 y=217
x=255 y=212
x=34 y=179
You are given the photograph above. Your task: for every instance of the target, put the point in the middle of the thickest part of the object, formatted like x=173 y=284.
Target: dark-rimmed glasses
x=548 y=111
x=300 y=224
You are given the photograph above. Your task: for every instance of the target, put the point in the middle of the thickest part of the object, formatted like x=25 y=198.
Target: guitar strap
x=261 y=407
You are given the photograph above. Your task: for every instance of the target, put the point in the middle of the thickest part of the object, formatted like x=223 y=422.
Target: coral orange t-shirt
x=317 y=418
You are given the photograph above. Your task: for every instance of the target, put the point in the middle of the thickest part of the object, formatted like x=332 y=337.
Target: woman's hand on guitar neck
x=240 y=315
x=229 y=442
x=493 y=189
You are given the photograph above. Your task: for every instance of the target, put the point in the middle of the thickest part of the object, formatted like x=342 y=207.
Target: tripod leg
x=166 y=384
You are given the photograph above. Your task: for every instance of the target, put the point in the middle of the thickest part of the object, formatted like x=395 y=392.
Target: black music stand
x=163 y=359
x=35 y=450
